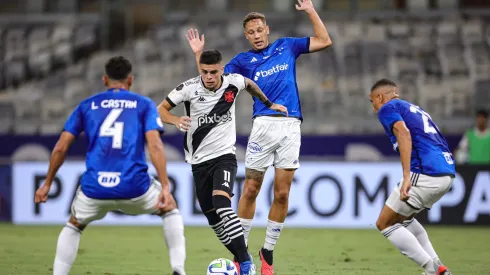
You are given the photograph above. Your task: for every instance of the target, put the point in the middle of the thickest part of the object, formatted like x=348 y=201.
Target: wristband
x=268 y=103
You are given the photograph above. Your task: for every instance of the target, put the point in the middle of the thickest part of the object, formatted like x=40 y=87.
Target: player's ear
x=105 y=79
x=130 y=80
x=267 y=29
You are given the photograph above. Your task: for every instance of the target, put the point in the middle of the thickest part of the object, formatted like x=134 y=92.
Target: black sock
x=232 y=226
x=218 y=226
x=267 y=255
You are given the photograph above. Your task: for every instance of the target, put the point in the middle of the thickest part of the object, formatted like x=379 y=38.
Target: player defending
x=116 y=122
x=428 y=173
x=272 y=67
x=210 y=144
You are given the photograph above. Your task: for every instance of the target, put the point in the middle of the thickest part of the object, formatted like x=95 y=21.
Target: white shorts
x=425 y=191
x=274 y=141
x=86 y=210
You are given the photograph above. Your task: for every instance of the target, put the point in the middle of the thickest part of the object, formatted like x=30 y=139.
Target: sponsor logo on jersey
x=253 y=60
x=215 y=118
x=274 y=70
x=109 y=179
x=201 y=99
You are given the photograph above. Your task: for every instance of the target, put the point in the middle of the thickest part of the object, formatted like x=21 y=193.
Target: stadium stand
x=441 y=63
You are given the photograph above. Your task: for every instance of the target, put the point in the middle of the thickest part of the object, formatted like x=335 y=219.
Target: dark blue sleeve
x=299 y=46
x=233 y=67
x=388 y=116
x=75 y=124
x=151 y=118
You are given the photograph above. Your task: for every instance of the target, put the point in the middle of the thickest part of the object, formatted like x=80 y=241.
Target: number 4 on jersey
x=111 y=128
x=425 y=118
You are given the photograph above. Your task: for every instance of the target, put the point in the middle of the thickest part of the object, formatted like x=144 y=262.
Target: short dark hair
x=118 y=68
x=253 y=15
x=383 y=82
x=210 y=57
x=482 y=113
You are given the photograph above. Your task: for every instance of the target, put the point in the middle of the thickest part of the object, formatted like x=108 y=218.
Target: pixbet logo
x=205 y=119
x=273 y=70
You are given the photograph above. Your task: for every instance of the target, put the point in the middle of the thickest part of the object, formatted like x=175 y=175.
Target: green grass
x=26 y=250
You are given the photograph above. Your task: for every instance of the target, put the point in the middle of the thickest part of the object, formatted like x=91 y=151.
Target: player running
x=428 y=174
x=275 y=139
x=209 y=144
x=116 y=122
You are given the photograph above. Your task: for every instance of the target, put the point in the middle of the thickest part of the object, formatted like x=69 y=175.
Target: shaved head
x=382 y=91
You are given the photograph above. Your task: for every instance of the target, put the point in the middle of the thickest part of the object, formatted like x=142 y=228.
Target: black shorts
x=214 y=174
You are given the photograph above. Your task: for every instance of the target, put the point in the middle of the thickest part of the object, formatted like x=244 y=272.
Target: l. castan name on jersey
x=115 y=103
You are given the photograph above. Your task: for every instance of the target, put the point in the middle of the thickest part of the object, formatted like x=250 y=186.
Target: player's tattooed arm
x=253 y=89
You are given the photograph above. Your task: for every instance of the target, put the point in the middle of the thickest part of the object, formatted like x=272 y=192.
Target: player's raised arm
x=254 y=90
x=321 y=40
x=197 y=44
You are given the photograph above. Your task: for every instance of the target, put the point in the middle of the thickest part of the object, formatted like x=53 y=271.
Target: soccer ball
x=222 y=267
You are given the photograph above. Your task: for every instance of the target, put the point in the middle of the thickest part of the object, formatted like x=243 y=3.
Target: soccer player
x=275 y=140
x=428 y=174
x=117 y=123
x=209 y=144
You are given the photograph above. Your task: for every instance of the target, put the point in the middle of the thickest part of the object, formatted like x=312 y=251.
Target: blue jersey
x=115 y=123
x=430 y=153
x=274 y=71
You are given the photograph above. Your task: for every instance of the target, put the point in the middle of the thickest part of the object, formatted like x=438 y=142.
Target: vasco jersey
x=274 y=71
x=213 y=130
x=430 y=152
x=115 y=123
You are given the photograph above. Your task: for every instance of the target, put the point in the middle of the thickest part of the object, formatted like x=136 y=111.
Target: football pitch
x=29 y=250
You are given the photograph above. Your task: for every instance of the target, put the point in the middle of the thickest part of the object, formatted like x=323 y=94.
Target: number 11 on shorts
x=227 y=175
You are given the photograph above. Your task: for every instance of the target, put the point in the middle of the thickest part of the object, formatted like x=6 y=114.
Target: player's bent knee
x=281 y=196
x=251 y=190
x=212 y=217
x=73 y=221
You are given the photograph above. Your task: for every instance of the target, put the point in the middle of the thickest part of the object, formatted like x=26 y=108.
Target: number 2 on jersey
x=425 y=118
x=111 y=128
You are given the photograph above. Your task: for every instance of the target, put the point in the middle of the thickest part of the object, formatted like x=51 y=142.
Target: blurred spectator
x=474 y=147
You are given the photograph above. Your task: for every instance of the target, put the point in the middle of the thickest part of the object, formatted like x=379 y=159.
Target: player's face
x=481 y=122
x=257 y=33
x=211 y=75
x=376 y=99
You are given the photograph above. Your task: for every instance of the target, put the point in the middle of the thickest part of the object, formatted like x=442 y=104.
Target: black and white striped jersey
x=213 y=130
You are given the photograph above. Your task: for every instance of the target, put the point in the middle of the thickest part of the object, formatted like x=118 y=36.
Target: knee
x=382 y=224
x=281 y=196
x=212 y=217
x=251 y=190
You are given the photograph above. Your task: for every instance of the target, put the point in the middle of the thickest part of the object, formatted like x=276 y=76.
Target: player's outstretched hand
x=41 y=194
x=279 y=108
x=197 y=45
x=164 y=199
x=404 y=189
x=305 y=5
x=184 y=123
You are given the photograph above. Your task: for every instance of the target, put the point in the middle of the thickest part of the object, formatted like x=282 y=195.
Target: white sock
x=247 y=226
x=67 y=249
x=419 y=232
x=173 y=231
x=272 y=234
x=407 y=244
